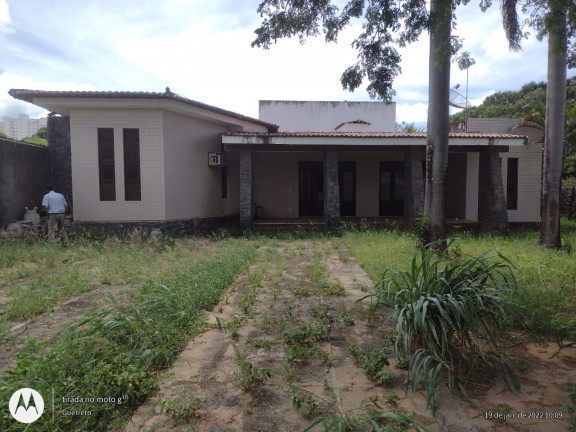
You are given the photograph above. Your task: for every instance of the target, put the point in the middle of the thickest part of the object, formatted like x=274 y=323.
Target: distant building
x=22 y=126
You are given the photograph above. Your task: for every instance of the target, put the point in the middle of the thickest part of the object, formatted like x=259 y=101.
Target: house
x=141 y=157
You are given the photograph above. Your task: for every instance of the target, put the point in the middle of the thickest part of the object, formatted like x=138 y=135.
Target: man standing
x=56 y=206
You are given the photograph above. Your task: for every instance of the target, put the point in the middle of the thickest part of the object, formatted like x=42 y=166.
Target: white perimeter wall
x=84 y=124
x=308 y=116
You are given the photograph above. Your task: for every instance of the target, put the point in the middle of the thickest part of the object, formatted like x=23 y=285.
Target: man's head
x=50 y=187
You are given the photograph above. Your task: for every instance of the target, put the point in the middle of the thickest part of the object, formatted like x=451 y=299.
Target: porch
x=312 y=179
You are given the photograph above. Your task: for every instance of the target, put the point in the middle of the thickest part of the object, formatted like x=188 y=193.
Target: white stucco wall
x=310 y=116
x=84 y=124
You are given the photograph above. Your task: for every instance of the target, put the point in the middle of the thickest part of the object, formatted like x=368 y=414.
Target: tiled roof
x=29 y=95
x=368 y=135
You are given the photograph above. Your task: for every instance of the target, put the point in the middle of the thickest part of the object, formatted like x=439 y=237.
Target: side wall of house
x=529 y=165
x=192 y=188
x=84 y=124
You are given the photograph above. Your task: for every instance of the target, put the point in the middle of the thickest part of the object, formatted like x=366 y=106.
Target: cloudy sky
x=201 y=50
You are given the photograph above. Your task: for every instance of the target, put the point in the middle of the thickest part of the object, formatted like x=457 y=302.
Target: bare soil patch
x=295 y=315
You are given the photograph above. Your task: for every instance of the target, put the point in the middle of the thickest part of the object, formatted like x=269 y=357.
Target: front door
x=311 y=188
x=347 y=186
x=391 y=188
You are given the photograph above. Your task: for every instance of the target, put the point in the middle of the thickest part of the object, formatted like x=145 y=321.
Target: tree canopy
x=386 y=26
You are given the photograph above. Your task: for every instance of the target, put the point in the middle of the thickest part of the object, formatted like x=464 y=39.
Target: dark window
x=512 y=184
x=391 y=188
x=132 y=164
x=224 y=179
x=106 y=164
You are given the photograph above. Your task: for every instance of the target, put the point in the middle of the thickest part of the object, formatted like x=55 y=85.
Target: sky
x=201 y=50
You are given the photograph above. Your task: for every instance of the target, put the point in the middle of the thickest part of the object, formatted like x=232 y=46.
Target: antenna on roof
x=458 y=100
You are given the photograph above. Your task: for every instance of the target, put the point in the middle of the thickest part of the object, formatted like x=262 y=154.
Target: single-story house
x=159 y=158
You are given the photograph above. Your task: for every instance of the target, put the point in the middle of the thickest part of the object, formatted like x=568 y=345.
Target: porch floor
x=384 y=221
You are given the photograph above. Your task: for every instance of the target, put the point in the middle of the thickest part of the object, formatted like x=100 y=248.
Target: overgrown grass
x=36 y=276
x=549 y=277
x=117 y=354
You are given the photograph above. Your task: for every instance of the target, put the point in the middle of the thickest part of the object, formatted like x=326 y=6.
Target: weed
x=302 y=353
x=370 y=416
x=308 y=404
x=178 y=411
x=249 y=375
x=261 y=343
x=373 y=362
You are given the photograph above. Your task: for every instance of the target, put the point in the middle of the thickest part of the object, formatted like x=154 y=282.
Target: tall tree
x=438 y=126
x=557 y=19
x=554 y=129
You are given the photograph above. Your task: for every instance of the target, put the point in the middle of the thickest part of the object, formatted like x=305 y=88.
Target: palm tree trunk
x=438 y=120
x=554 y=130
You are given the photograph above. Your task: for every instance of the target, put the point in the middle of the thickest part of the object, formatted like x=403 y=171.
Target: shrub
x=448 y=316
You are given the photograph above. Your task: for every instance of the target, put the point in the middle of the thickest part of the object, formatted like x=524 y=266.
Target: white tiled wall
x=84 y=126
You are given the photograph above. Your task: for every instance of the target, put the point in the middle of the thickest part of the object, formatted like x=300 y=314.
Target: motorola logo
x=26 y=405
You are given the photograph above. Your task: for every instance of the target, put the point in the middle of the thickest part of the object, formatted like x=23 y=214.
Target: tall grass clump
x=117 y=354
x=448 y=316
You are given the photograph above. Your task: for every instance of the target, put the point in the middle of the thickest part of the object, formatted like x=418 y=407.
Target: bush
x=448 y=316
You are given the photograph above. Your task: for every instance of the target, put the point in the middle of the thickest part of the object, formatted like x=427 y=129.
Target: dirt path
x=45 y=326
x=295 y=315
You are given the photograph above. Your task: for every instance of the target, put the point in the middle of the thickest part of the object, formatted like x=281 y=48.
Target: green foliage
x=386 y=25
x=178 y=411
x=248 y=375
x=408 y=127
x=369 y=417
x=373 y=362
x=447 y=315
x=34 y=139
x=306 y=404
x=117 y=352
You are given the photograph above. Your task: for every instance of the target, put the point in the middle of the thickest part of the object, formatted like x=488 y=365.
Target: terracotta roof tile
x=370 y=135
x=29 y=95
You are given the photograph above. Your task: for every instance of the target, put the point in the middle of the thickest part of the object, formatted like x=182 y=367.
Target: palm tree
x=438 y=126
x=554 y=129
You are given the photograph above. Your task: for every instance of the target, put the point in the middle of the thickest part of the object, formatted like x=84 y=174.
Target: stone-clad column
x=414 y=183
x=492 y=213
x=60 y=154
x=331 y=188
x=246 y=187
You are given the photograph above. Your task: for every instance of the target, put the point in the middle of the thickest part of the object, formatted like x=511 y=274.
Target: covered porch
x=310 y=179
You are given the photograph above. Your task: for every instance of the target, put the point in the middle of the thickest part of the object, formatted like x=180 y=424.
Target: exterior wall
x=192 y=188
x=84 y=126
x=295 y=116
x=276 y=180
x=24 y=173
x=529 y=165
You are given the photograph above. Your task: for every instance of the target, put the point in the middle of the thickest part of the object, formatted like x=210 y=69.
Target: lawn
x=118 y=351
